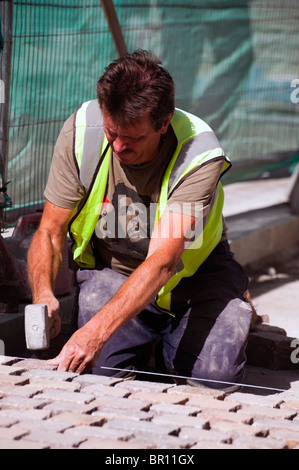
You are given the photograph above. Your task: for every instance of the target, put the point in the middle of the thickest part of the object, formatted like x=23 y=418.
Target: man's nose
x=119 y=145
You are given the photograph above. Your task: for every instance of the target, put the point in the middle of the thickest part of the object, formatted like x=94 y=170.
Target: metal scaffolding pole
x=114 y=26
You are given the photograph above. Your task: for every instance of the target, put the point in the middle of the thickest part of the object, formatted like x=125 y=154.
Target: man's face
x=135 y=144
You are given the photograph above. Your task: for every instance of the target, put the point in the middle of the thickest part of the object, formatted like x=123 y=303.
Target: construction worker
x=136 y=183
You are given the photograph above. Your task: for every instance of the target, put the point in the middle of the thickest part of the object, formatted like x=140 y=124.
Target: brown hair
x=135 y=84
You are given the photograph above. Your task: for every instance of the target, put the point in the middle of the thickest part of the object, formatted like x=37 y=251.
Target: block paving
x=42 y=408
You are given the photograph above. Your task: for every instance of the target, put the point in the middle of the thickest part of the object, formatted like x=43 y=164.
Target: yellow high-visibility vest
x=196 y=145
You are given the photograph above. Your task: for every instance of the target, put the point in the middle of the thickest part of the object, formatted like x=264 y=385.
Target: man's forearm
x=133 y=296
x=44 y=260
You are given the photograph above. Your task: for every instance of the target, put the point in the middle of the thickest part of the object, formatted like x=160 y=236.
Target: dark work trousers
x=205 y=339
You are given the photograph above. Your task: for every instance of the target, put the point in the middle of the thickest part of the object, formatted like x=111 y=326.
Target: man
x=136 y=183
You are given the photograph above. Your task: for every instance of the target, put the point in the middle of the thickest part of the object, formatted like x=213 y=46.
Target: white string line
x=201 y=380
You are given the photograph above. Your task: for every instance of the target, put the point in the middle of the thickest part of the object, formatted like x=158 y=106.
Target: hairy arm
x=44 y=260
x=167 y=245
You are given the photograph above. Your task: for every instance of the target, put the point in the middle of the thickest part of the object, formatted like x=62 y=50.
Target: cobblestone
x=42 y=408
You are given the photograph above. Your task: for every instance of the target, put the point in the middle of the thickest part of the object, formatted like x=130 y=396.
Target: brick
x=207 y=403
x=31 y=364
x=98 y=390
x=23 y=391
x=289 y=437
x=217 y=414
x=12 y=433
x=8 y=370
x=258 y=443
x=236 y=429
x=26 y=414
x=272 y=423
x=151 y=427
x=169 y=408
x=270 y=350
x=39 y=426
x=61 y=395
x=138 y=386
x=252 y=399
x=50 y=374
x=13 y=444
x=159 y=397
x=98 y=443
x=266 y=412
x=22 y=403
x=13 y=380
x=125 y=403
x=187 y=391
x=198 y=422
x=205 y=435
x=77 y=419
x=54 y=439
x=57 y=407
x=89 y=379
x=7 y=421
x=102 y=432
x=8 y=360
x=294 y=405
x=152 y=441
x=52 y=384
x=110 y=413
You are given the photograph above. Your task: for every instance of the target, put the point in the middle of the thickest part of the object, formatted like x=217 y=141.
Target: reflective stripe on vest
x=197 y=144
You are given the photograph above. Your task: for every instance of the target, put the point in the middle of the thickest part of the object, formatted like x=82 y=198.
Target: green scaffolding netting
x=234 y=64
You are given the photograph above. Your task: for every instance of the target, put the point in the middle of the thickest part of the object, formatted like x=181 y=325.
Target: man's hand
x=81 y=352
x=53 y=313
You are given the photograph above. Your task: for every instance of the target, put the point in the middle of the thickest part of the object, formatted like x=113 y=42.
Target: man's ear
x=166 y=123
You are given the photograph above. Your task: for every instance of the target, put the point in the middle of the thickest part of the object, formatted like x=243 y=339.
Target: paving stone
x=49 y=374
x=23 y=403
x=53 y=439
x=267 y=412
x=23 y=391
x=289 y=437
x=9 y=444
x=77 y=419
x=124 y=413
x=98 y=443
x=52 y=384
x=186 y=390
x=180 y=420
x=138 y=386
x=125 y=403
x=159 y=397
x=62 y=395
x=199 y=435
x=26 y=414
x=12 y=433
x=7 y=421
x=9 y=370
x=170 y=408
x=102 y=432
x=258 y=443
x=30 y=364
x=270 y=350
x=57 y=407
x=8 y=360
x=151 y=427
x=89 y=379
x=206 y=402
x=272 y=423
x=13 y=380
x=100 y=390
